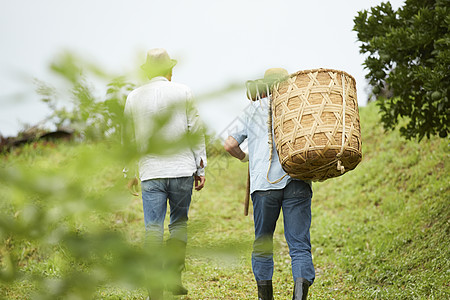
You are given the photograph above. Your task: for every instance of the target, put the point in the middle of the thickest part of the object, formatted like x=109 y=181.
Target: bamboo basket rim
x=321 y=70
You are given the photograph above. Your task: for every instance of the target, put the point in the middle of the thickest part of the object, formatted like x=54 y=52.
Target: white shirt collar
x=159 y=78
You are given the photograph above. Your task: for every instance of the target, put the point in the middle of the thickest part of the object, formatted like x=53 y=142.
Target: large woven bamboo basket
x=313 y=139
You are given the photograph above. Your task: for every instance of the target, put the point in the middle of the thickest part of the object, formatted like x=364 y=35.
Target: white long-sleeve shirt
x=155 y=99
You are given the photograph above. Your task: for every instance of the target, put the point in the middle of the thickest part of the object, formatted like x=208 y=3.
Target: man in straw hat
x=272 y=190
x=170 y=176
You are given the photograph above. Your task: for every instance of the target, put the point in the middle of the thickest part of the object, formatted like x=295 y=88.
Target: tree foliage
x=408 y=55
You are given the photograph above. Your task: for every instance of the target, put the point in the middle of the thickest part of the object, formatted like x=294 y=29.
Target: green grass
x=384 y=227
x=378 y=232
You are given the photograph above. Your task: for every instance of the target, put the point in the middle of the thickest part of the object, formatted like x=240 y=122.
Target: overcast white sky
x=215 y=43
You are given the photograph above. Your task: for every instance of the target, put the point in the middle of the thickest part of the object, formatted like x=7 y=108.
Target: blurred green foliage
x=63 y=212
x=94 y=116
x=408 y=59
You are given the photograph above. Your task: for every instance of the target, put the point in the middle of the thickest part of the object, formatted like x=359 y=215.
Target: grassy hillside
x=383 y=229
x=378 y=232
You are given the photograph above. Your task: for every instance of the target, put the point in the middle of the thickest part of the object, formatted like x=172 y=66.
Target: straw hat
x=258 y=88
x=158 y=61
x=274 y=74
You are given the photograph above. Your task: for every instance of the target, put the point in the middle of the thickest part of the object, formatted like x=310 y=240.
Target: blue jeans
x=155 y=193
x=295 y=200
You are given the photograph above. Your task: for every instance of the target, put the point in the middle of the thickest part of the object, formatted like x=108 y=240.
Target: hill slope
x=385 y=225
x=378 y=232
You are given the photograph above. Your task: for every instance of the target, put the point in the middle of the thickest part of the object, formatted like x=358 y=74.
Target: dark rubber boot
x=301 y=289
x=265 y=290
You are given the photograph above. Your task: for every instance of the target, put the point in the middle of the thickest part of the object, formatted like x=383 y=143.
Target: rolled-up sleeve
x=238 y=130
x=195 y=127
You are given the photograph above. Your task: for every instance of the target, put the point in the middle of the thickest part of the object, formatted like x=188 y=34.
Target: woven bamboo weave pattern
x=308 y=110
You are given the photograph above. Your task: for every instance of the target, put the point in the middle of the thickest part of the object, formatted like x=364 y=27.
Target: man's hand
x=132 y=186
x=246 y=157
x=199 y=182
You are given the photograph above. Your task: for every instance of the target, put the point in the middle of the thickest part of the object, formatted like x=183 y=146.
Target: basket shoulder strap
x=270 y=135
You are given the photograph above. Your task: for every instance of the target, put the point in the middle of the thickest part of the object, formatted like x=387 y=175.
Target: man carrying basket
x=271 y=190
